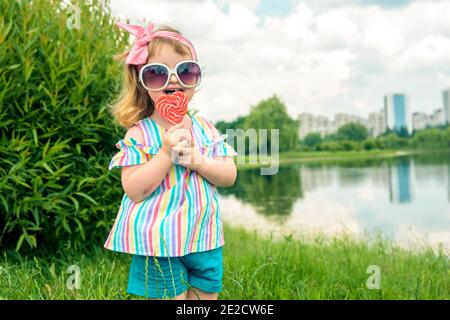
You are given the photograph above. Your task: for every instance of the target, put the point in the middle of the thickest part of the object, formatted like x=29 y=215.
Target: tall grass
x=255 y=267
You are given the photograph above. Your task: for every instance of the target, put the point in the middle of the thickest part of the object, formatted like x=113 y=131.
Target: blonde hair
x=134 y=102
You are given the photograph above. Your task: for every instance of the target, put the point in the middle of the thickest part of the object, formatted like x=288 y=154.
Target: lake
x=406 y=199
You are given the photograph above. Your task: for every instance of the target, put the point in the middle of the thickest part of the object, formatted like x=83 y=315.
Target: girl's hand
x=173 y=136
x=188 y=155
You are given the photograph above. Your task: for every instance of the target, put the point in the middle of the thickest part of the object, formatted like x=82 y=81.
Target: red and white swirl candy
x=172 y=107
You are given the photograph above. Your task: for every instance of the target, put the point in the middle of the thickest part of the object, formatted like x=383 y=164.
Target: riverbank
x=243 y=162
x=255 y=267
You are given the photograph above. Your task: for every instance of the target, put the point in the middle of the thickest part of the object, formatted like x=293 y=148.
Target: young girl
x=169 y=218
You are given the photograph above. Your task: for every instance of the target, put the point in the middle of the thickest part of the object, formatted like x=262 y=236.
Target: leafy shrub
x=57 y=136
x=369 y=144
x=312 y=140
x=347 y=145
x=432 y=138
x=352 y=131
x=392 y=141
x=328 y=146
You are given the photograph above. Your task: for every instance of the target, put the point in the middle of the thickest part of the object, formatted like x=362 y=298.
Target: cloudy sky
x=321 y=57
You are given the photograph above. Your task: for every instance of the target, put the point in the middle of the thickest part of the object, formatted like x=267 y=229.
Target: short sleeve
x=216 y=145
x=131 y=153
x=221 y=148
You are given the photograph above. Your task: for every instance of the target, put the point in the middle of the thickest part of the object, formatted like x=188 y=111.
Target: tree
x=353 y=131
x=431 y=138
x=403 y=132
x=312 y=139
x=271 y=114
x=222 y=126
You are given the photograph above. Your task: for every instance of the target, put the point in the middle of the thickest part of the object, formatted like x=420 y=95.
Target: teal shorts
x=168 y=277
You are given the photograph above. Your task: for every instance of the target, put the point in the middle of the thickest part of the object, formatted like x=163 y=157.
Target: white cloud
x=336 y=29
x=343 y=59
x=432 y=52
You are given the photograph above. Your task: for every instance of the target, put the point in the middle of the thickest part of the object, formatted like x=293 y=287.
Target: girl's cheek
x=190 y=93
x=154 y=95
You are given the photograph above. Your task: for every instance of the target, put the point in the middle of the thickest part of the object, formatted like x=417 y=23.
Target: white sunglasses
x=156 y=76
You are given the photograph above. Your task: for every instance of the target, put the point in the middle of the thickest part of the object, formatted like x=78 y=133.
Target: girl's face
x=167 y=55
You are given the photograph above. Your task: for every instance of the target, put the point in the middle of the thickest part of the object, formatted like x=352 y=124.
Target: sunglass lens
x=155 y=76
x=189 y=73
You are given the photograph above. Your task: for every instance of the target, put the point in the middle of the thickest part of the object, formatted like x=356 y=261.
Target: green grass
x=243 y=162
x=256 y=267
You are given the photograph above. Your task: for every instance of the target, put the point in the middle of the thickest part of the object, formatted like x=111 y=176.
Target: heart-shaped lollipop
x=172 y=107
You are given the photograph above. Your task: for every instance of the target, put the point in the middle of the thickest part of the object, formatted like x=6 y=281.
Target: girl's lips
x=172 y=90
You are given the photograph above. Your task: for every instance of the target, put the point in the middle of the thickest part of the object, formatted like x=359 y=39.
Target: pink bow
x=139 y=54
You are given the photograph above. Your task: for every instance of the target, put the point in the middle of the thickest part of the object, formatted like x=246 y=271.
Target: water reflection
x=406 y=198
x=268 y=194
x=400 y=181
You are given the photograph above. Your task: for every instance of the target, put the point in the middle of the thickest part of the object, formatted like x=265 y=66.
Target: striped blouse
x=182 y=215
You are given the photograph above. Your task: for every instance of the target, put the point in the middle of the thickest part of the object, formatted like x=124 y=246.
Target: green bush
x=352 y=131
x=328 y=146
x=347 y=145
x=432 y=138
x=312 y=140
x=57 y=136
x=392 y=141
x=369 y=144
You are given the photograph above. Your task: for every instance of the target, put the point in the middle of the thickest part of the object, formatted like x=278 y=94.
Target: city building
x=310 y=123
x=446 y=105
x=396 y=112
x=437 y=118
x=320 y=124
x=376 y=124
x=420 y=121
x=394 y=115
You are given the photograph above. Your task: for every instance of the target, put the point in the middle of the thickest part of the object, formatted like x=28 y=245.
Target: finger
x=176 y=149
x=175 y=127
x=180 y=150
x=183 y=144
x=188 y=137
x=179 y=129
x=183 y=135
x=176 y=137
x=178 y=132
x=183 y=159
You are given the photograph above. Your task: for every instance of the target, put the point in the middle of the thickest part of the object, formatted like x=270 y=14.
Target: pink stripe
x=179 y=230
x=200 y=206
x=109 y=238
x=122 y=158
x=167 y=181
x=207 y=123
x=213 y=129
x=141 y=126
x=211 y=223
x=194 y=217
x=127 y=229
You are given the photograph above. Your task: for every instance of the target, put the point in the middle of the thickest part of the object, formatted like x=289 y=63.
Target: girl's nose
x=173 y=78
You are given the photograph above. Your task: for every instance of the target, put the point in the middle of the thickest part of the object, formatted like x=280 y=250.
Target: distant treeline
x=268 y=114
x=271 y=114
x=354 y=136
